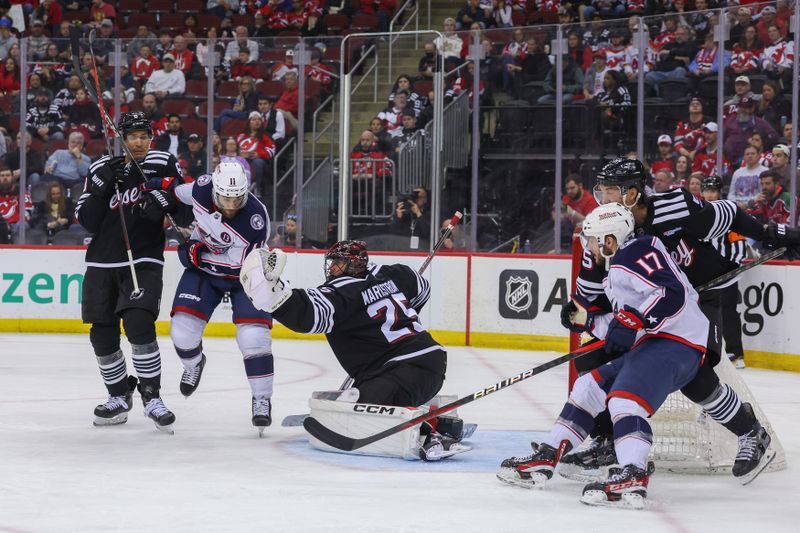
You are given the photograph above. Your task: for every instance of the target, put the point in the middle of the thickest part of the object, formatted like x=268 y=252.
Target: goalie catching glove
x=260 y=277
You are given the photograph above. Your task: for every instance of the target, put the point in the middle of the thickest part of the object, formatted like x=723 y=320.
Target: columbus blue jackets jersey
x=227 y=240
x=369 y=322
x=644 y=276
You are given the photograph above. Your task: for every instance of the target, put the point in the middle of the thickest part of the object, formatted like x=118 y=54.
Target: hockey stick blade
x=342 y=442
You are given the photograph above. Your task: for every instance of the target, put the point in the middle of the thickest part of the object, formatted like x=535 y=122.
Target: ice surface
x=59 y=473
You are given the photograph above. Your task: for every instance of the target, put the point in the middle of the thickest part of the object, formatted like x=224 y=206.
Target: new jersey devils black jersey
x=370 y=322
x=100 y=217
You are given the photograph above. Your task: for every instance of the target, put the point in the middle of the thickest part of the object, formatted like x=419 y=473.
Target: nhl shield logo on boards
x=518 y=296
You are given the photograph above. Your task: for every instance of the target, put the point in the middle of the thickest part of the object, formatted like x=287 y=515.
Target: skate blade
x=168 y=429
x=628 y=500
x=511 y=477
x=769 y=456
x=113 y=421
x=585 y=475
x=455 y=449
x=261 y=431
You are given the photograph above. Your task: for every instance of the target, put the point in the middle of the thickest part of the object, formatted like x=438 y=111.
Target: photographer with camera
x=410 y=219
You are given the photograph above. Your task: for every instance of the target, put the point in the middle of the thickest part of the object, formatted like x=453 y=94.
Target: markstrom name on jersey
x=40 y=288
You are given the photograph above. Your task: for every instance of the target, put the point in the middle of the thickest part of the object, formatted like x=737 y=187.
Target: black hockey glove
x=189 y=253
x=102 y=182
x=577 y=315
x=623 y=329
x=155 y=204
x=778 y=235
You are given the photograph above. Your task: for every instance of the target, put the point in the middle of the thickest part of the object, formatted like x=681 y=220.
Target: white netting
x=687 y=440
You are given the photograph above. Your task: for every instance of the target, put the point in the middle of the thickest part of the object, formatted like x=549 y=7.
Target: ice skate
x=590 y=463
x=115 y=410
x=737 y=360
x=625 y=487
x=454 y=428
x=190 y=379
x=155 y=410
x=262 y=413
x=437 y=447
x=754 y=454
x=535 y=470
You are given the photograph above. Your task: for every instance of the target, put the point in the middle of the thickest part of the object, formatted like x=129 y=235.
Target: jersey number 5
x=650 y=263
x=390 y=308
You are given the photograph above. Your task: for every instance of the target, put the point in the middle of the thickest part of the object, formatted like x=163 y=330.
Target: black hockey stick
x=138 y=292
x=448 y=230
x=331 y=438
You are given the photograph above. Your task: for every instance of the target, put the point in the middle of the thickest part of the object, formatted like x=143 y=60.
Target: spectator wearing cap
x=240 y=41
x=256 y=146
x=666 y=155
x=781 y=162
x=707 y=60
x=705 y=160
x=43 y=120
x=606 y=8
x=772 y=106
x=595 y=74
x=280 y=69
x=7 y=38
x=674 y=59
x=766 y=19
x=167 y=81
x=745 y=182
x=409 y=121
x=174 y=139
x=777 y=58
x=274 y=124
x=144 y=64
x=246 y=102
x=37 y=41
x=744 y=20
x=69 y=165
x=739 y=128
x=741 y=89
x=689 y=133
x=772 y=203
x=100 y=7
x=289 y=101
x=194 y=156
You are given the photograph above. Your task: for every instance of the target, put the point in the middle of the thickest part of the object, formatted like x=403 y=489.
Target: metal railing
x=373 y=188
x=317 y=135
x=413 y=6
x=317 y=202
x=277 y=181
x=372 y=68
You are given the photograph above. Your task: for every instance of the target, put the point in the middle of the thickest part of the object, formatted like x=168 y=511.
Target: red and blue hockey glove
x=189 y=253
x=623 y=329
x=159 y=184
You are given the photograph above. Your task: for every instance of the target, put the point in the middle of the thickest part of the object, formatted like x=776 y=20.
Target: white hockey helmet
x=230 y=185
x=608 y=219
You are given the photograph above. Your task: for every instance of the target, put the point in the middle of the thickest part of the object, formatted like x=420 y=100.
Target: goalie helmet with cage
x=622 y=173
x=230 y=185
x=607 y=219
x=134 y=121
x=351 y=256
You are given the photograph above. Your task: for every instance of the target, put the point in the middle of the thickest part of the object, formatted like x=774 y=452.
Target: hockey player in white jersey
x=658 y=327
x=230 y=222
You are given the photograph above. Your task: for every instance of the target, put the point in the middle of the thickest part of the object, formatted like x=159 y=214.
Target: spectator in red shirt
x=9 y=206
x=768 y=19
x=144 y=64
x=689 y=133
x=244 y=66
x=50 y=13
x=257 y=147
x=320 y=72
x=9 y=78
x=666 y=157
x=288 y=102
x=706 y=159
x=772 y=204
x=184 y=58
x=107 y=10
x=577 y=198
x=368 y=148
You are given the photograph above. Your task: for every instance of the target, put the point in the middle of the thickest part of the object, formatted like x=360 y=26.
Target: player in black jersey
x=369 y=316
x=686 y=226
x=108 y=283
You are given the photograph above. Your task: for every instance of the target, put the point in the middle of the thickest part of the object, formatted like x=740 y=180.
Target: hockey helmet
x=623 y=173
x=134 y=121
x=353 y=255
x=608 y=219
x=712 y=183
x=230 y=185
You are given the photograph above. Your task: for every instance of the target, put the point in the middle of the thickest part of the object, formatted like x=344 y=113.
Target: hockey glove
x=102 y=181
x=778 y=235
x=189 y=253
x=578 y=314
x=623 y=329
x=159 y=184
x=155 y=204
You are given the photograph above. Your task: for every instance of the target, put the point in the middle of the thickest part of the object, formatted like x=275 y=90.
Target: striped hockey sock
x=260 y=369
x=147 y=362
x=725 y=407
x=114 y=373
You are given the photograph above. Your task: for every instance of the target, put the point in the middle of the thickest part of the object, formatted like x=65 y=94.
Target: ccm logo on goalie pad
x=373 y=409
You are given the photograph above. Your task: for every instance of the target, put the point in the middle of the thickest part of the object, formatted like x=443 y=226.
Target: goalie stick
x=297 y=420
x=342 y=442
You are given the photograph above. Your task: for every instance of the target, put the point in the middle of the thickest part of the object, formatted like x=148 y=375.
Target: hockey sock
x=190 y=358
x=260 y=369
x=147 y=362
x=114 y=373
x=573 y=424
x=725 y=407
x=633 y=438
